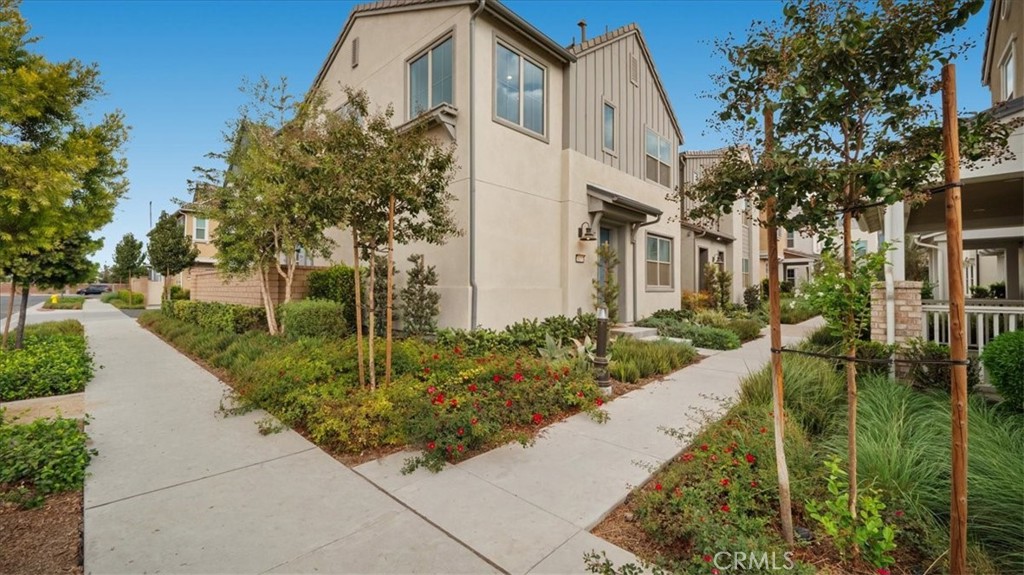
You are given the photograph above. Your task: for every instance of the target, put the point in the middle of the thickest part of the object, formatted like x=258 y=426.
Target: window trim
x=1008 y=62
x=524 y=55
x=615 y=132
x=790 y=239
x=195 y=229
x=671 y=264
x=448 y=34
x=658 y=159
x=355 y=52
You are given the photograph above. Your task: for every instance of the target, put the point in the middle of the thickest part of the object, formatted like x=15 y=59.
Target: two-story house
x=556 y=147
x=731 y=241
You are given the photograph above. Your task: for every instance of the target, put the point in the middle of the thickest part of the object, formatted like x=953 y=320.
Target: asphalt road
x=32 y=300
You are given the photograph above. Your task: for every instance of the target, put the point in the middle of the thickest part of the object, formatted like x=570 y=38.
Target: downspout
x=632 y=240
x=473 y=288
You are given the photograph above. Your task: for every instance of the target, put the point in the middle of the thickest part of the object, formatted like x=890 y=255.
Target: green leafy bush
x=701 y=336
x=420 y=302
x=814 y=393
x=222 y=316
x=41 y=458
x=876 y=355
x=313 y=318
x=624 y=370
x=679 y=315
x=650 y=357
x=338 y=284
x=795 y=310
x=934 y=376
x=179 y=293
x=125 y=297
x=752 y=298
x=711 y=318
x=979 y=292
x=54 y=361
x=745 y=329
x=1004 y=362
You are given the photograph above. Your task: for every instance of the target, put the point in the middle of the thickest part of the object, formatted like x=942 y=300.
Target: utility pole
x=957 y=319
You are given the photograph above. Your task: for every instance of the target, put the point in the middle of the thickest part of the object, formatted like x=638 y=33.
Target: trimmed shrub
x=337 y=284
x=313 y=318
x=711 y=318
x=752 y=298
x=222 y=316
x=745 y=329
x=934 y=376
x=179 y=293
x=1004 y=362
x=130 y=298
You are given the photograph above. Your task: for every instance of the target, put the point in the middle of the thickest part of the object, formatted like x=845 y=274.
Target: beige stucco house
x=555 y=145
x=732 y=241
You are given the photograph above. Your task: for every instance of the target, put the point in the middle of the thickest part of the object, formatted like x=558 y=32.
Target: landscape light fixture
x=585 y=233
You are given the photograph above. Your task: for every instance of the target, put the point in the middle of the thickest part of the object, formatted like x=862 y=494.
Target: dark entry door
x=702 y=262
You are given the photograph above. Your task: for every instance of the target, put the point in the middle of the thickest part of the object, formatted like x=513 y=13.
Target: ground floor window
x=659 y=262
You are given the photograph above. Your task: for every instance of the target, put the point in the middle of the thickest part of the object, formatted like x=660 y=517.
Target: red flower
x=599 y=402
x=883 y=571
x=565 y=371
x=439 y=399
x=753 y=484
x=497 y=378
x=724 y=482
x=703 y=446
x=725 y=508
x=517 y=377
x=461 y=432
x=751 y=459
x=458 y=350
x=431 y=390
x=460 y=448
x=714 y=457
x=537 y=418
x=579 y=394
x=687 y=456
x=556 y=377
x=472 y=387
x=431 y=446
x=728 y=449
x=763 y=430
x=508 y=403
x=455 y=402
x=473 y=421
x=707 y=559
x=657 y=487
x=899 y=513
x=426 y=370
x=714 y=572
x=436 y=357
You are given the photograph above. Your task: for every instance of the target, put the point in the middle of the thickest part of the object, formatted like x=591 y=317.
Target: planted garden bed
x=54 y=361
x=65 y=302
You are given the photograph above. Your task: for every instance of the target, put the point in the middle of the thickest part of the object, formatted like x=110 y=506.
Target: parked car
x=94 y=289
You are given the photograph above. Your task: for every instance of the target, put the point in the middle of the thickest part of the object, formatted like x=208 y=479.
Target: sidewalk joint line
x=225 y=472
x=560 y=545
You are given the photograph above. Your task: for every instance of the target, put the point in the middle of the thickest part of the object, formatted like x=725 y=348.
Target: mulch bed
x=44 y=540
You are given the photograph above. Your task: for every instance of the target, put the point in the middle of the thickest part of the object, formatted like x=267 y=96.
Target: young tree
x=419 y=301
x=849 y=87
x=170 y=250
x=268 y=202
x=606 y=288
x=129 y=260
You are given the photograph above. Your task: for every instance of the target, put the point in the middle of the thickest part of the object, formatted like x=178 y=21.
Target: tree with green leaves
x=170 y=250
x=389 y=185
x=419 y=301
x=606 y=285
x=849 y=90
x=129 y=260
x=269 y=202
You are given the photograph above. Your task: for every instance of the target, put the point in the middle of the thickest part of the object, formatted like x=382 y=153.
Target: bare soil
x=45 y=540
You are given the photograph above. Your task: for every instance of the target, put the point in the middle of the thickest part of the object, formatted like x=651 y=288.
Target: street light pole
x=601 y=357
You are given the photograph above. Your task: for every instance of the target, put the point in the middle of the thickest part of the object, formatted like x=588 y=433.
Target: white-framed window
x=791 y=275
x=609 y=127
x=355 y=52
x=746 y=265
x=430 y=78
x=199 y=233
x=659 y=159
x=659 y=262
x=1008 y=71
x=790 y=239
x=519 y=85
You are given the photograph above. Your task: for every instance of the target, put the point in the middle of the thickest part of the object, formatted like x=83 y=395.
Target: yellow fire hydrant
x=54 y=298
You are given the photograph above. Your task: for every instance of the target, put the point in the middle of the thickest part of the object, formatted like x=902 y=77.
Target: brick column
x=909 y=317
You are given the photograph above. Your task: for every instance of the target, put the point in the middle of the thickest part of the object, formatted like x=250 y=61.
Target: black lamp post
x=601 y=357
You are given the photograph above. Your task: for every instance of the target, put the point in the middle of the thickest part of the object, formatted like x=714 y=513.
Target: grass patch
x=65 y=302
x=54 y=361
x=634 y=360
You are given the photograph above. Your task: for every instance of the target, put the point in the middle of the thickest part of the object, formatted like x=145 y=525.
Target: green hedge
x=313 y=318
x=337 y=284
x=745 y=329
x=1004 y=361
x=54 y=361
x=701 y=336
x=222 y=316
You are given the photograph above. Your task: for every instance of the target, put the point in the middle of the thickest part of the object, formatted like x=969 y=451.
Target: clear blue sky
x=174 y=67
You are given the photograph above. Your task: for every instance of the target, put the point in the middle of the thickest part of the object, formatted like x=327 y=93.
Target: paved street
x=32 y=300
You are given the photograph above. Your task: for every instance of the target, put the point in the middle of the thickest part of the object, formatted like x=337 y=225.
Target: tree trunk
x=22 y=315
x=130 y=298
x=268 y=302
x=391 y=285
x=288 y=279
x=775 y=312
x=373 y=317
x=167 y=285
x=359 y=307
x=851 y=366
x=10 y=312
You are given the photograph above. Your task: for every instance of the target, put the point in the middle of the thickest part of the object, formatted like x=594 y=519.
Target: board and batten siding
x=602 y=75
x=694 y=166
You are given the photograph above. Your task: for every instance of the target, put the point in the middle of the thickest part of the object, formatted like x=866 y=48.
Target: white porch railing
x=986 y=319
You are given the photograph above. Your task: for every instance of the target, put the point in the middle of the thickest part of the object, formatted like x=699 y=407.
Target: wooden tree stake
x=391 y=288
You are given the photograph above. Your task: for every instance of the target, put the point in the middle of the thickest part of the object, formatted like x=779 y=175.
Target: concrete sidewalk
x=550 y=495
x=177 y=488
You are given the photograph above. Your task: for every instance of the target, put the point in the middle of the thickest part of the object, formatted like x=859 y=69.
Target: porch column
x=1012 y=259
x=909 y=320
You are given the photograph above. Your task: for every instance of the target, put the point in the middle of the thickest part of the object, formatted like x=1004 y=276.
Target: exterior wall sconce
x=580 y=258
x=585 y=233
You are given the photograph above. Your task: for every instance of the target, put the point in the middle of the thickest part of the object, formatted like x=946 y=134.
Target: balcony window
x=519 y=90
x=430 y=79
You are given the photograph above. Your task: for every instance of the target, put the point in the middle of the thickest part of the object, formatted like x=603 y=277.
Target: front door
x=702 y=262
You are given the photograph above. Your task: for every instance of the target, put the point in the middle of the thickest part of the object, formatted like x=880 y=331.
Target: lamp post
x=601 y=357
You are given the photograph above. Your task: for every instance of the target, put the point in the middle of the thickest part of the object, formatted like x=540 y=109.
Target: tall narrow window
x=659 y=159
x=659 y=262
x=609 y=127
x=790 y=239
x=519 y=90
x=430 y=79
x=1008 y=72
x=200 y=231
x=355 y=52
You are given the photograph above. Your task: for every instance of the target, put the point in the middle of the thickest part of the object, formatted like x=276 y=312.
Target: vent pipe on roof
x=583 y=30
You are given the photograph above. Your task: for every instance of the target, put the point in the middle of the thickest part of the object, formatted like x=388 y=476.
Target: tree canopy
x=170 y=250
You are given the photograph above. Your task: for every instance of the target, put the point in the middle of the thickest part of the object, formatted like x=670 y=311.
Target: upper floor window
x=659 y=262
x=430 y=78
x=790 y=239
x=1008 y=72
x=199 y=234
x=659 y=159
x=519 y=89
x=609 y=127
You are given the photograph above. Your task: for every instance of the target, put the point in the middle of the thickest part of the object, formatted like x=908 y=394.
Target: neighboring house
x=732 y=241
x=800 y=253
x=555 y=146
x=200 y=228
